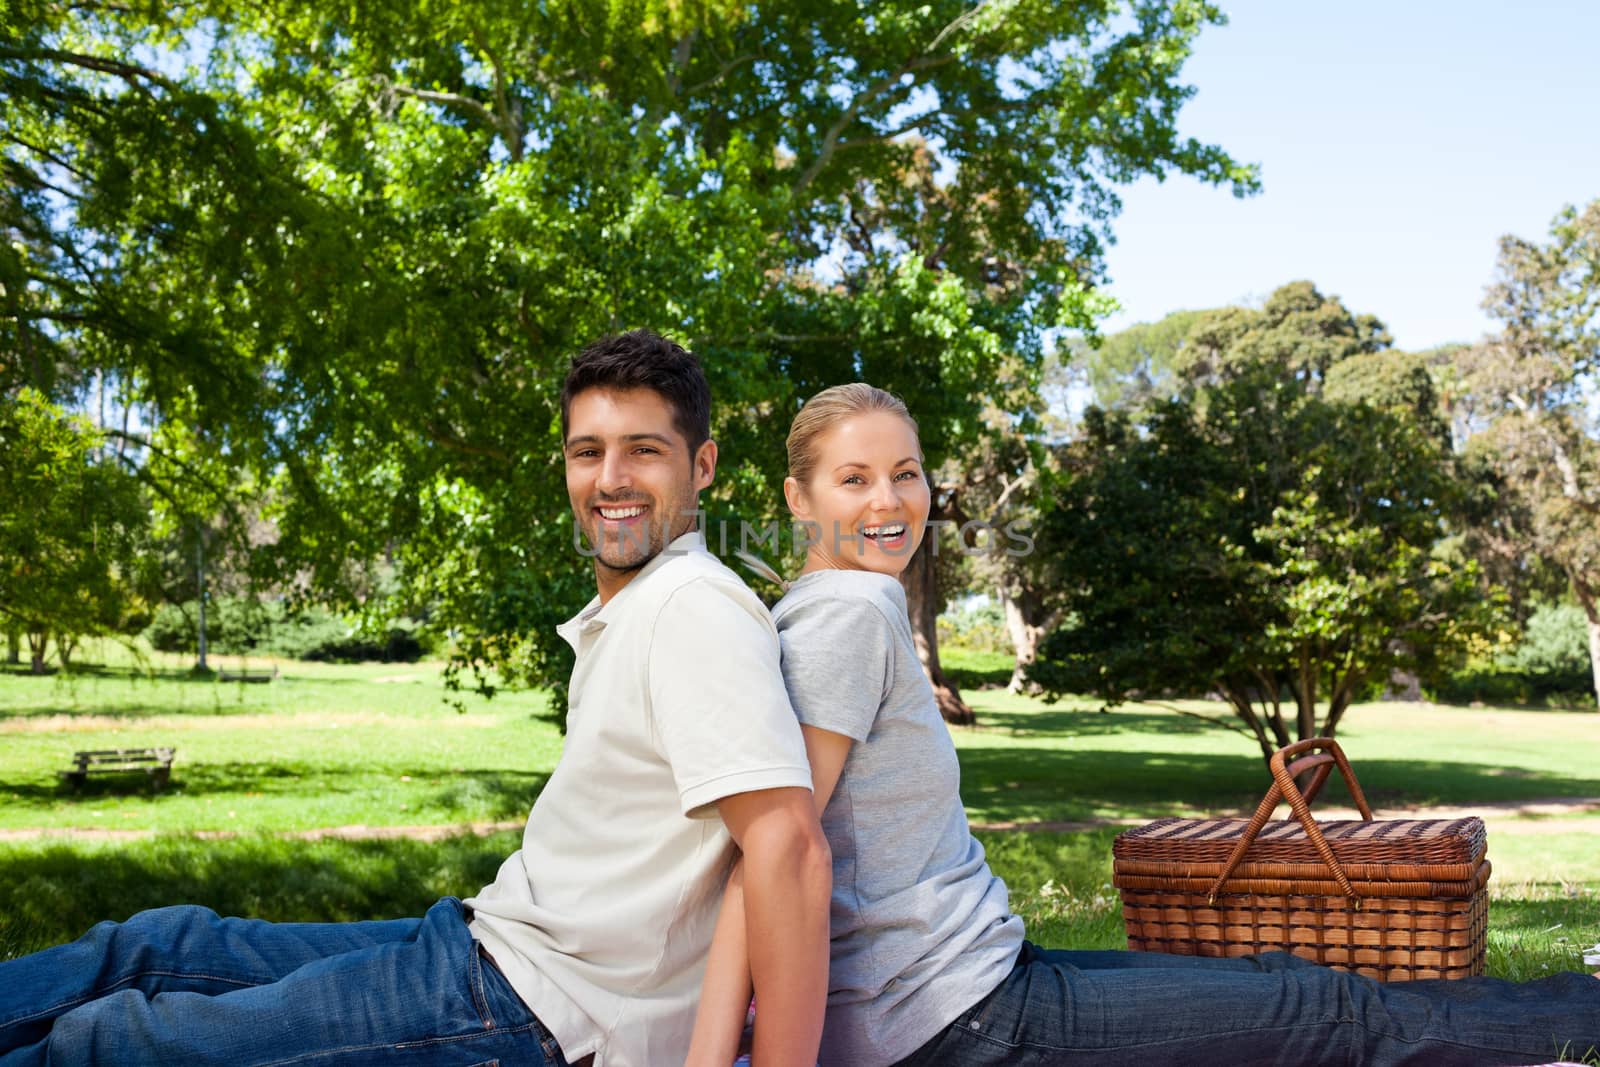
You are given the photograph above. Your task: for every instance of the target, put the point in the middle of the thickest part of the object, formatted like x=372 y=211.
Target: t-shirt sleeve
x=718 y=708
x=837 y=662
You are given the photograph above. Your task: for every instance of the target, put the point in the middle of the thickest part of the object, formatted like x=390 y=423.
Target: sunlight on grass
x=377 y=745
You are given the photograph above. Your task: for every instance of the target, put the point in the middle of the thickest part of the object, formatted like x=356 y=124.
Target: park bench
x=155 y=762
x=247 y=674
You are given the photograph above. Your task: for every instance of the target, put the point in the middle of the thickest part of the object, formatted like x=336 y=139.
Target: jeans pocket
x=480 y=1002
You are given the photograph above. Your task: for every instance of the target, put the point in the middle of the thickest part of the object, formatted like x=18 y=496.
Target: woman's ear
x=795 y=497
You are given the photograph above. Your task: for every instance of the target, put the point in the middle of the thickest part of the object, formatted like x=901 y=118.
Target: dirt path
x=342 y=833
x=1554 y=815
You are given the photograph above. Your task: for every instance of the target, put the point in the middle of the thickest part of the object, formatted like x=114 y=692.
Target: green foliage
x=981 y=628
x=1136 y=366
x=72 y=524
x=1259 y=539
x=1550 y=664
x=1528 y=387
x=246 y=626
x=345 y=252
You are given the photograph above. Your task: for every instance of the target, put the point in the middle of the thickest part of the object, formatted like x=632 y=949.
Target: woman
x=928 y=965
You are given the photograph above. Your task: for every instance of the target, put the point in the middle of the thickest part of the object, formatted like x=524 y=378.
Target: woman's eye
x=852 y=479
x=905 y=475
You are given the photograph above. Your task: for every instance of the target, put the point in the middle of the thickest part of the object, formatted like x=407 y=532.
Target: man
x=589 y=945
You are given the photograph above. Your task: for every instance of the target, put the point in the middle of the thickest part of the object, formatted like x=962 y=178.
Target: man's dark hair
x=643 y=359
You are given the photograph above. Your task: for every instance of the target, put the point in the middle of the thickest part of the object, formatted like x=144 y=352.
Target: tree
x=1528 y=383
x=357 y=245
x=1137 y=366
x=1257 y=539
x=71 y=530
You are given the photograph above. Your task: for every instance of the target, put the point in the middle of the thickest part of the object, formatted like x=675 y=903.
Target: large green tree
x=352 y=248
x=72 y=526
x=1531 y=386
x=1266 y=536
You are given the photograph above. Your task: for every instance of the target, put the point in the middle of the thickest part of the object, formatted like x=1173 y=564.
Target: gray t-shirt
x=921 y=928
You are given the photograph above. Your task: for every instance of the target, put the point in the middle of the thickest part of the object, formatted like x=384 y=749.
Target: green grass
x=320 y=746
x=377 y=745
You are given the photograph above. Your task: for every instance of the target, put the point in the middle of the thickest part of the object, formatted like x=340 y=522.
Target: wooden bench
x=246 y=674
x=155 y=762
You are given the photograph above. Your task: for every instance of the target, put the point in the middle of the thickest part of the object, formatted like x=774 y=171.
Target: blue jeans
x=1148 y=1008
x=181 y=985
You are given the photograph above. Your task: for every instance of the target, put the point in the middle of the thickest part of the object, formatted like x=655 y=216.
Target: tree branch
x=830 y=139
x=509 y=124
x=129 y=72
x=722 y=72
x=47 y=155
x=472 y=107
x=445 y=438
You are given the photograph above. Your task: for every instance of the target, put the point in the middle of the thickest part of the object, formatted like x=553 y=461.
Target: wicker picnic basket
x=1392 y=899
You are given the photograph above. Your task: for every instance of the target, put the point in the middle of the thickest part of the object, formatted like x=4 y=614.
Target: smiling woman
x=856 y=479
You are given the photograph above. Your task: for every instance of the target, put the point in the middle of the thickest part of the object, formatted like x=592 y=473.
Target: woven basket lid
x=1410 y=841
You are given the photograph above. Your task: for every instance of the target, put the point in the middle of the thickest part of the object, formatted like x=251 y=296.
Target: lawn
x=378 y=746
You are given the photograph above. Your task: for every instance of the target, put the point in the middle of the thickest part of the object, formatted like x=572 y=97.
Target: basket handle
x=1284 y=772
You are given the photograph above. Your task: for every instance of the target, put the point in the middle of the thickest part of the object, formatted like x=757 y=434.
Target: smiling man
x=680 y=744
x=682 y=750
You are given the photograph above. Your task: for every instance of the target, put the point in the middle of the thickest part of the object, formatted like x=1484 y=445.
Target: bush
x=980 y=626
x=1550 y=665
x=241 y=626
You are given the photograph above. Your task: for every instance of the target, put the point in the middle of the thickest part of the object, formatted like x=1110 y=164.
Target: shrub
x=980 y=626
x=241 y=626
x=1549 y=665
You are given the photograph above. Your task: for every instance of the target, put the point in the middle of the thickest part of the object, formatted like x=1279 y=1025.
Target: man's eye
x=647 y=450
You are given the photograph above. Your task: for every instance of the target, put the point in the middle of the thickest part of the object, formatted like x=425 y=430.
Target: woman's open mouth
x=889 y=535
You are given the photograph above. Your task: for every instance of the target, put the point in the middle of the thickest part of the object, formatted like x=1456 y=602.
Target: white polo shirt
x=602 y=920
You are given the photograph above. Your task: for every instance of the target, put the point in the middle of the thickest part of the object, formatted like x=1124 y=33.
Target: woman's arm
x=725 y=991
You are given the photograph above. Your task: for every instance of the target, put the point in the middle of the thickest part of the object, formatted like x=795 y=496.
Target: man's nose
x=615 y=473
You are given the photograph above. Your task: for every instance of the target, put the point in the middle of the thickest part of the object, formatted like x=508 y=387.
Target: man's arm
x=788 y=878
x=725 y=993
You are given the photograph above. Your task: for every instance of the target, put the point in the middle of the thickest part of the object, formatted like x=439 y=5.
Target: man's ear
x=705 y=465
x=795 y=497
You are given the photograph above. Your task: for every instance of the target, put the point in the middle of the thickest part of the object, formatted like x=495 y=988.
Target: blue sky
x=1397 y=142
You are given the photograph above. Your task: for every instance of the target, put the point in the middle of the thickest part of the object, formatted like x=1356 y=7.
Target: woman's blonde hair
x=826 y=410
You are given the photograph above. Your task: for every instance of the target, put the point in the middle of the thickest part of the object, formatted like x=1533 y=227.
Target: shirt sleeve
x=837 y=663
x=720 y=715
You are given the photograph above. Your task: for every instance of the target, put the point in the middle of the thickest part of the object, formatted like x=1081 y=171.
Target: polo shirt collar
x=595 y=615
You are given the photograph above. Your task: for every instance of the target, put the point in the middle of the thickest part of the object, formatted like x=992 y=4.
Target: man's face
x=633 y=483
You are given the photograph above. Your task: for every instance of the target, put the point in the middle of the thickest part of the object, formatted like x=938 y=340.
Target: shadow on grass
x=51 y=893
x=486 y=794
x=1030 y=784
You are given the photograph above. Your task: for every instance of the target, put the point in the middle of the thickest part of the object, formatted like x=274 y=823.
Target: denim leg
x=183 y=948
x=425 y=998
x=1260 y=1011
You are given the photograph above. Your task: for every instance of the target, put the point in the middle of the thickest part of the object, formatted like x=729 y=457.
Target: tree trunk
x=200 y=574
x=13 y=646
x=36 y=643
x=1591 y=614
x=1025 y=634
x=65 y=647
x=921 y=582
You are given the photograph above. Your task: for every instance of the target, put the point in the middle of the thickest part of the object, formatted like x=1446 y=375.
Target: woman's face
x=867 y=497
